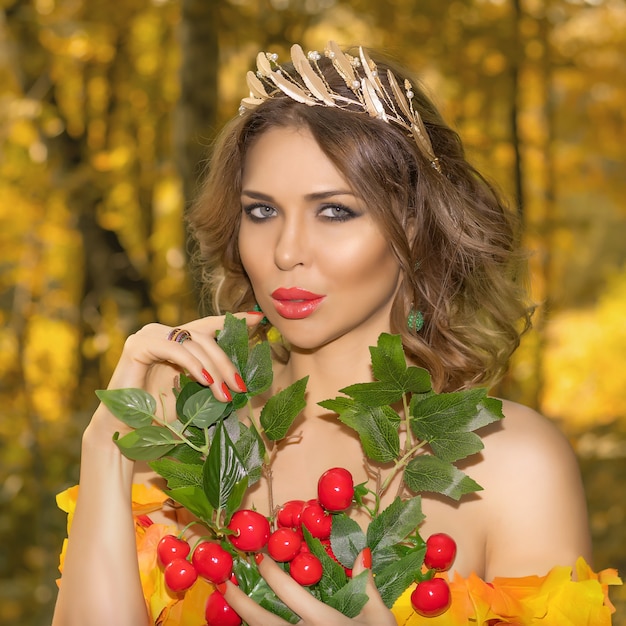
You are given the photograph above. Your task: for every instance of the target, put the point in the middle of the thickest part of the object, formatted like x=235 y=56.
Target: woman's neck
x=329 y=368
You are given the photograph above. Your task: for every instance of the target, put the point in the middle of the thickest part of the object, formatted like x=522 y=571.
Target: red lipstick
x=294 y=303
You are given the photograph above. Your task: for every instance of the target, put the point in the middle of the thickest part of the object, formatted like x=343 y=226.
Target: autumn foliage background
x=106 y=110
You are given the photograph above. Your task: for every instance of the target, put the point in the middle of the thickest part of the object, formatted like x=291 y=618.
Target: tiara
x=309 y=86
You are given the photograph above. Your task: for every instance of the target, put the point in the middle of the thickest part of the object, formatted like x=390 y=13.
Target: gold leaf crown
x=310 y=87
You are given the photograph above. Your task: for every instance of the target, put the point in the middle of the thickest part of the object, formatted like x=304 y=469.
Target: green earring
x=415 y=321
x=257 y=308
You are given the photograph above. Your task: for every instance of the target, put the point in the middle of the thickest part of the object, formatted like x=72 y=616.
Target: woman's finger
x=296 y=597
x=248 y=609
x=375 y=610
x=220 y=373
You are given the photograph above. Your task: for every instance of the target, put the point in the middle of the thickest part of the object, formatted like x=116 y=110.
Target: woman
x=342 y=205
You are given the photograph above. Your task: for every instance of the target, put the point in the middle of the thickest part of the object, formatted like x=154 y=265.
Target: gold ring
x=179 y=335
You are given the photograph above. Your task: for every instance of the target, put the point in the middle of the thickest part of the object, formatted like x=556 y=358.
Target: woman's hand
x=311 y=611
x=151 y=361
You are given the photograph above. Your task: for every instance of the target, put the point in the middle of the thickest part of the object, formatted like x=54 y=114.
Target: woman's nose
x=291 y=245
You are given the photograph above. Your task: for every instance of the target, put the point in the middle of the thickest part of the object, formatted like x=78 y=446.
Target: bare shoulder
x=527 y=438
x=533 y=495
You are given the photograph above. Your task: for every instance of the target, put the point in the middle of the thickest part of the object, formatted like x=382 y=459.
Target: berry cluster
x=250 y=532
x=335 y=491
x=209 y=560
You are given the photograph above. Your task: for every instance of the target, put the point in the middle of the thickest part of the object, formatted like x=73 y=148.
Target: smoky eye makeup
x=258 y=211
x=337 y=212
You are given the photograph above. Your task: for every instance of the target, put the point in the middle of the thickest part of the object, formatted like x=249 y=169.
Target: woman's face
x=320 y=267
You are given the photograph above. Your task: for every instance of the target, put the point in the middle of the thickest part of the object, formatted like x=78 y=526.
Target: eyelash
x=348 y=213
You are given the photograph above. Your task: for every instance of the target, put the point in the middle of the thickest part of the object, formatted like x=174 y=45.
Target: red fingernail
x=367 y=558
x=226 y=392
x=258 y=557
x=240 y=383
x=207 y=377
x=221 y=587
x=254 y=312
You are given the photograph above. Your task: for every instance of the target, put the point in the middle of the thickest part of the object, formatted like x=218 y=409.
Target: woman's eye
x=259 y=211
x=337 y=212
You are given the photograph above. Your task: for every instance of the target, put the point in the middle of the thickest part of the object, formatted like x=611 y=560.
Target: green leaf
x=346 y=539
x=282 y=409
x=377 y=393
x=418 y=380
x=255 y=587
x=453 y=446
x=272 y=603
x=251 y=450
x=147 y=443
x=233 y=340
x=489 y=411
x=394 y=524
x=186 y=454
x=428 y=473
x=437 y=414
x=258 y=373
x=194 y=500
x=333 y=575
x=390 y=554
x=188 y=389
x=202 y=409
x=388 y=360
x=134 y=407
x=377 y=427
x=351 y=598
x=395 y=578
x=223 y=468
x=178 y=474
x=236 y=497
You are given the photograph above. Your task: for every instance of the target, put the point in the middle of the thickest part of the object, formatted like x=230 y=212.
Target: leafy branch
x=209 y=458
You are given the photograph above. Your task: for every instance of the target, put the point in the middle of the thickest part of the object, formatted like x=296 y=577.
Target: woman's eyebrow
x=317 y=195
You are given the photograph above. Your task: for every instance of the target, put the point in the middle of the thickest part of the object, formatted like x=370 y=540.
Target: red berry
x=212 y=562
x=219 y=613
x=180 y=574
x=251 y=529
x=284 y=544
x=306 y=569
x=288 y=515
x=316 y=520
x=431 y=597
x=170 y=548
x=440 y=552
x=335 y=489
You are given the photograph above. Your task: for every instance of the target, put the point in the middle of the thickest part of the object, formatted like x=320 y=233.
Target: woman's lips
x=294 y=303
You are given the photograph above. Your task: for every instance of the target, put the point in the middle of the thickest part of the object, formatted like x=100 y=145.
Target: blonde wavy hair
x=453 y=236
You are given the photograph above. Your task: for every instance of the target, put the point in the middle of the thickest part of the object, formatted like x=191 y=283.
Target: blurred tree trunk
x=196 y=110
x=516 y=58
x=549 y=204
